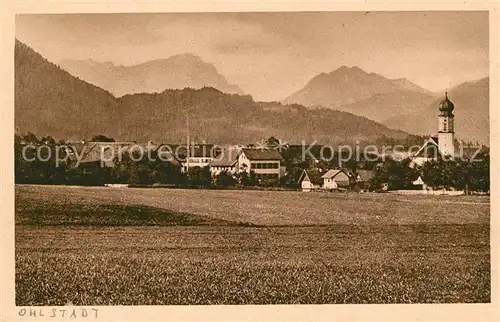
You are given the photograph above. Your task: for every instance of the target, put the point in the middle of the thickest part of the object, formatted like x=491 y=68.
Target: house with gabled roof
x=227 y=160
x=92 y=153
x=103 y=154
x=200 y=155
x=335 y=179
x=310 y=179
x=265 y=163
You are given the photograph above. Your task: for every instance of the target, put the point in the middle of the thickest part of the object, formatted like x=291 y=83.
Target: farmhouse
x=96 y=153
x=311 y=179
x=200 y=155
x=227 y=160
x=335 y=179
x=265 y=163
x=103 y=154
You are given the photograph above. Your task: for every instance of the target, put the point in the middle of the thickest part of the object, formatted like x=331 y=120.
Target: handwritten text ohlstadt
x=59 y=313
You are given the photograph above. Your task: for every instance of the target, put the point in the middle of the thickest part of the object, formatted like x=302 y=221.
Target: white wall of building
x=446 y=143
x=330 y=183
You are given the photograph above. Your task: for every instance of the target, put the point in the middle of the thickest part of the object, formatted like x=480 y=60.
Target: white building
x=200 y=155
x=311 y=180
x=334 y=179
x=265 y=163
x=227 y=160
x=444 y=143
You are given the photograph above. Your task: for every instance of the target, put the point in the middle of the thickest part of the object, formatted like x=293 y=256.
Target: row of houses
x=265 y=163
x=334 y=179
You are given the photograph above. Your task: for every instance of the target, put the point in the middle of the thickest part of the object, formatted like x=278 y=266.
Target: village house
x=96 y=154
x=265 y=163
x=200 y=155
x=227 y=160
x=311 y=180
x=89 y=155
x=336 y=179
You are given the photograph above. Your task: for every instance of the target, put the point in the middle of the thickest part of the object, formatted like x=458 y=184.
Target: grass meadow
x=112 y=246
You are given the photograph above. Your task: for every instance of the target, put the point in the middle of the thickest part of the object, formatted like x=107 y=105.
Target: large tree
x=136 y=170
x=458 y=174
x=200 y=177
x=39 y=161
x=225 y=179
x=397 y=174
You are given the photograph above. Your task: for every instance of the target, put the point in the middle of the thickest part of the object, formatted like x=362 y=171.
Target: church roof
x=429 y=149
x=446 y=106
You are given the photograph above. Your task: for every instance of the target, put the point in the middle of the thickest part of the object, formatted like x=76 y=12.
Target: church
x=442 y=145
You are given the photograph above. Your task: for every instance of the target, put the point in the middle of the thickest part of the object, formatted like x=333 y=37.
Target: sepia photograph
x=250 y=158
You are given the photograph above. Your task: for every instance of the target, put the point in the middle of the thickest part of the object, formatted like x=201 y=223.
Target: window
x=264 y=165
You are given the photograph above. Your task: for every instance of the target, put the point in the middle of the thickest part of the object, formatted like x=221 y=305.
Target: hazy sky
x=271 y=55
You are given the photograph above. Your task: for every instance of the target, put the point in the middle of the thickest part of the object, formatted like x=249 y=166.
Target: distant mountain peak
x=50 y=101
x=346 y=69
x=186 y=56
x=153 y=76
x=402 y=80
x=471 y=100
x=347 y=85
x=181 y=58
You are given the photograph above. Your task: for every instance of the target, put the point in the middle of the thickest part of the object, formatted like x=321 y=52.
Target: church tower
x=446 y=130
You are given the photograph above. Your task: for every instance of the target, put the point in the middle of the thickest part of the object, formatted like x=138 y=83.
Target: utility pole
x=187 y=141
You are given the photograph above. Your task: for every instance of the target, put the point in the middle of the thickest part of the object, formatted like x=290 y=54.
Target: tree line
x=43 y=168
x=397 y=175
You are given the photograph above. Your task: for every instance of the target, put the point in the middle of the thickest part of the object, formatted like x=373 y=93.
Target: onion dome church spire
x=446 y=127
x=446 y=106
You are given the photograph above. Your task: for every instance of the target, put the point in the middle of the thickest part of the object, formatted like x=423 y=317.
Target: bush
x=225 y=179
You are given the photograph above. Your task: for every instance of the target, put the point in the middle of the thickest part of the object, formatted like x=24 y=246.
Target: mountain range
x=347 y=85
x=398 y=103
x=176 y=72
x=471 y=100
x=51 y=101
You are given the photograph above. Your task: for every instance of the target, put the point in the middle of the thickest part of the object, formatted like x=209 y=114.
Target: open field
x=102 y=246
x=274 y=207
